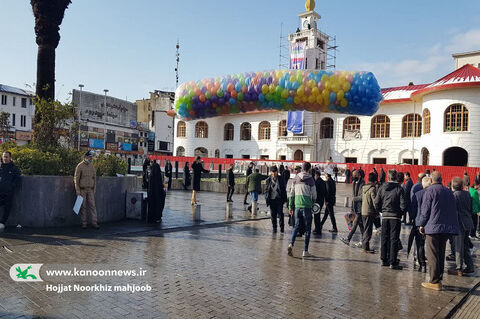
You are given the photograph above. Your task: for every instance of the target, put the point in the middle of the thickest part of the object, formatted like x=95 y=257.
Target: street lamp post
x=78 y=109
x=105 y=120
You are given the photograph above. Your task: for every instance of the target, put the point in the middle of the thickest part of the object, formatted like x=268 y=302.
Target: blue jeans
x=254 y=196
x=303 y=215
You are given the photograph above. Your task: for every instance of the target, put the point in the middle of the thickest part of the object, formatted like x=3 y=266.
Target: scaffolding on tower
x=332 y=53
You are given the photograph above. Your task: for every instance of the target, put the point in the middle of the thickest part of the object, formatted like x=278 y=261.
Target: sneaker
x=428 y=285
x=385 y=264
x=358 y=245
x=345 y=241
x=290 y=250
x=455 y=272
x=306 y=254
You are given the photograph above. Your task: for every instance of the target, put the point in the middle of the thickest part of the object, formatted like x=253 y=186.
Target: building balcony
x=296 y=140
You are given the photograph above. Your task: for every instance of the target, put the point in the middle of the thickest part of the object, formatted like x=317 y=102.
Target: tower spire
x=310 y=5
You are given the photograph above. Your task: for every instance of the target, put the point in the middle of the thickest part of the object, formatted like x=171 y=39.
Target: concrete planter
x=47 y=201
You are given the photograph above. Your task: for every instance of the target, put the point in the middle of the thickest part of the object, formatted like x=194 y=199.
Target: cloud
x=432 y=62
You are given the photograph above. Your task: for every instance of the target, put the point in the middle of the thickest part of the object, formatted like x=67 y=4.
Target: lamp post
x=105 y=120
x=78 y=109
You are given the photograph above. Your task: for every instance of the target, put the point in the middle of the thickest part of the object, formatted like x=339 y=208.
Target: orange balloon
x=197 y=91
x=202 y=98
x=234 y=94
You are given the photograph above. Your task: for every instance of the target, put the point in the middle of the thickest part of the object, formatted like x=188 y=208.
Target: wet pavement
x=213 y=270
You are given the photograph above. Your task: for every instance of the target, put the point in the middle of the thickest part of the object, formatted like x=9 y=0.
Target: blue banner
x=124 y=146
x=94 y=143
x=295 y=122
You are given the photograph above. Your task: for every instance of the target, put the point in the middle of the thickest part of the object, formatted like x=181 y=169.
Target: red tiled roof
x=400 y=94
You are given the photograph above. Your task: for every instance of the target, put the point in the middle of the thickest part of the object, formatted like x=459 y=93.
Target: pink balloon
x=321 y=86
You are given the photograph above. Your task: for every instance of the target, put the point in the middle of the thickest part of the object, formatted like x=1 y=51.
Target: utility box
x=136 y=205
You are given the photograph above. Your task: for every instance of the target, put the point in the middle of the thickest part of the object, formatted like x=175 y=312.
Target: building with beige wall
x=472 y=58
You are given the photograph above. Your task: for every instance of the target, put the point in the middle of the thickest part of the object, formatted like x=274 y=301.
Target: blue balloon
x=333 y=96
x=232 y=101
x=261 y=97
x=290 y=100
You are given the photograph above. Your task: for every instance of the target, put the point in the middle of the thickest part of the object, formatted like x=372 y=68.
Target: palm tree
x=48 y=18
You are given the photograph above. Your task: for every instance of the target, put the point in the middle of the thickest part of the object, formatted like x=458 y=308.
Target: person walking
x=230 y=183
x=466 y=180
x=9 y=181
x=416 y=206
x=382 y=176
x=477 y=178
x=145 y=170
x=187 y=179
x=197 y=168
x=168 y=173
x=348 y=176
x=156 y=194
x=390 y=200
x=417 y=186
x=361 y=174
x=254 y=185
x=85 y=180
x=321 y=189
x=407 y=189
x=438 y=221
x=330 y=200
x=475 y=207
x=356 y=208
x=275 y=197
x=335 y=172
x=463 y=203
x=400 y=180
x=369 y=192
x=249 y=171
x=303 y=195
x=376 y=173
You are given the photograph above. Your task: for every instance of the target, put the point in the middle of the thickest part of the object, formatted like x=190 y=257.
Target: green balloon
x=240 y=96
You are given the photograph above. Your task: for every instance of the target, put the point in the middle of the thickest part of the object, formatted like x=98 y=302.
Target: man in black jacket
x=382 y=176
x=330 y=199
x=390 y=200
x=169 y=173
x=275 y=197
x=356 y=207
x=9 y=180
x=231 y=183
x=249 y=171
x=321 y=188
x=407 y=188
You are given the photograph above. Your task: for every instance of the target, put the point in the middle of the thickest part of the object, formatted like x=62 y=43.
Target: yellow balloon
x=284 y=94
x=324 y=78
x=315 y=91
x=272 y=88
x=300 y=92
x=340 y=95
x=312 y=84
x=344 y=103
x=264 y=89
x=320 y=99
x=311 y=99
x=304 y=99
x=335 y=87
x=346 y=86
x=297 y=100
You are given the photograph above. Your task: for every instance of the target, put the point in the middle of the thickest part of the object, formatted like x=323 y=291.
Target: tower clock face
x=305 y=24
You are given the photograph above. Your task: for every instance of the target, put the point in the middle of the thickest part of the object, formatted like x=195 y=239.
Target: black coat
x=321 y=188
x=156 y=194
x=9 y=178
x=286 y=175
x=187 y=179
x=282 y=188
x=357 y=192
x=168 y=169
x=197 y=168
x=230 y=178
x=390 y=200
x=382 y=176
x=331 y=193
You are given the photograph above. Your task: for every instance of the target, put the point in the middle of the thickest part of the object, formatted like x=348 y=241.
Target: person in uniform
x=85 y=184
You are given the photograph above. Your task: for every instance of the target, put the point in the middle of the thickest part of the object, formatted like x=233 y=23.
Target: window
x=13 y=119
x=351 y=123
x=425 y=156
x=412 y=125
x=298 y=155
x=228 y=132
x=282 y=128
x=264 y=131
x=326 y=128
x=201 y=151
x=4 y=100
x=13 y=100
x=245 y=132
x=409 y=161
x=31 y=101
x=283 y=157
x=380 y=127
x=456 y=118
x=379 y=160
x=426 y=121
x=24 y=102
x=228 y=156
x=264 y=157
x=217 y=153
x=201 y=130
x=180 y=151
x=23 y=120
x=350 y=160
x=181 y=129
x=245 y=156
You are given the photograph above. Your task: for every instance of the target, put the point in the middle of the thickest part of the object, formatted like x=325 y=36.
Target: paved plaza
x=213 y=269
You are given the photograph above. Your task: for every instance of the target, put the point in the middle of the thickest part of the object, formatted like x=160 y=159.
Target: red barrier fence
x=448 y=172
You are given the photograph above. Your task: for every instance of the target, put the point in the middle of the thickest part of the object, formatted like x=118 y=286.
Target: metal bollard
x=229 y=211
x=196 y=213
x=254 y=208
x=347 y=202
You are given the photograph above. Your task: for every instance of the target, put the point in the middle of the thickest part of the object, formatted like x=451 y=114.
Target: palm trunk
x=46 y=72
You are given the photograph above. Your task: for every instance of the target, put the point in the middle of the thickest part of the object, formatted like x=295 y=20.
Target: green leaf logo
x=26 y=272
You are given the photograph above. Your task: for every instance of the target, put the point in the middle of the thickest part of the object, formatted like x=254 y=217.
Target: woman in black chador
x=186 y=177
x=156 y=194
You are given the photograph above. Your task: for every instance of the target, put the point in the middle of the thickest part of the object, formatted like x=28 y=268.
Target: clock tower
x=308 y=42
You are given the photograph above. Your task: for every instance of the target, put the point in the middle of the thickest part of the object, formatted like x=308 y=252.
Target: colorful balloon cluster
x=283 y=90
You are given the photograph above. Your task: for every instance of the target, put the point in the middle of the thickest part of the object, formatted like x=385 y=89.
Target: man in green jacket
x=476 y=208
x=254 y=184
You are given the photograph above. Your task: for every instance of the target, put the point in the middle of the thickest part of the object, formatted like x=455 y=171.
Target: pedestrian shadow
x=318 y=258
x=455 y=289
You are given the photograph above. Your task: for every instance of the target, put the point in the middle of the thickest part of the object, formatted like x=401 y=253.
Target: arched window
x=228 y=132
x=351 y=124
x=181 y=129
x=425 y=156
x=380 y=127
x=412 y=125
x=298 y=155
x=426 y=122
x=201 y=130
x=201 y=151
x=217 y=153
x=264 y=130
x=180 y=151
x=456 y=118
x=326 y=128
x=245 y=131
x=282 y=128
